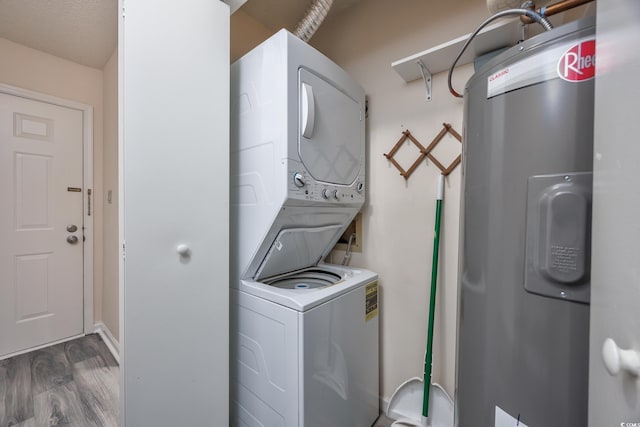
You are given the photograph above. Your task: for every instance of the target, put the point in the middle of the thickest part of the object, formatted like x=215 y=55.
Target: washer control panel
x=302 y=186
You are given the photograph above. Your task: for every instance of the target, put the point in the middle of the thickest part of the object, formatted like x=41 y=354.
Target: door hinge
x=124 y=251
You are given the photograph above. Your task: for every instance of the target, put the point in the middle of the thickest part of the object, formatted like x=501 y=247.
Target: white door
x=41 y=284
x=174 y=154
x=614 y=400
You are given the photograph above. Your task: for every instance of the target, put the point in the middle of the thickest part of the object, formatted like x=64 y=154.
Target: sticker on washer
x=371 y=301
x=572 y=61
x=503 y=419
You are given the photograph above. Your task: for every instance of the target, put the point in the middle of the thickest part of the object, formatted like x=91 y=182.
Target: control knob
x=336 y=194
x=298 y=180
x=325 y=193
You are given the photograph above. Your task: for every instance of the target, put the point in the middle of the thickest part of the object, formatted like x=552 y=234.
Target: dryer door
x=330 y=131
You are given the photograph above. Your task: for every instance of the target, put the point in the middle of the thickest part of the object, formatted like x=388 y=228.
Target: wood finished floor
x=75 y=383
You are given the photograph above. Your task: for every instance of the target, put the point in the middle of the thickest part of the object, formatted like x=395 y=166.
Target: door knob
x=617 y=359
x=72 y=228
x=72 y=239
x=183 y=250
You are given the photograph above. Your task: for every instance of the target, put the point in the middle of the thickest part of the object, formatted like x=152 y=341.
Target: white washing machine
x=304 y=333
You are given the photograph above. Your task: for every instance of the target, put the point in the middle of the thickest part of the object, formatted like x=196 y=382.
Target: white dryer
x=304 y=348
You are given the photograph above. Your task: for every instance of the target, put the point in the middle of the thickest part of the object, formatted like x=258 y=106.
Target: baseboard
x=38 y=347
x=112 y=344
x=384 y=404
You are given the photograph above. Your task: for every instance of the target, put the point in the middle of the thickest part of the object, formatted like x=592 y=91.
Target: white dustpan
x=405 y=405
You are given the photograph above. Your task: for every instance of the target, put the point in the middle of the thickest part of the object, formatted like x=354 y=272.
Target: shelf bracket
x=426 y=76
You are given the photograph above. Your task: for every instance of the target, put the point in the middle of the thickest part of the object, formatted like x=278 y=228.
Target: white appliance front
x=297 y=155
x=304 y=334
x=329 y=140
x=315 y=368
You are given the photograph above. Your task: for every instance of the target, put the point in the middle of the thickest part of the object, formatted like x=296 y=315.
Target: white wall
x=38 y=71
x=398 y=219
x=110 y=314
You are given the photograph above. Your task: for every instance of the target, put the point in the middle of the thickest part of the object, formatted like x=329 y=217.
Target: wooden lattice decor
x=425 y=152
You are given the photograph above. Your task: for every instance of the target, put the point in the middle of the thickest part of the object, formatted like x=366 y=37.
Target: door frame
x=87 y=183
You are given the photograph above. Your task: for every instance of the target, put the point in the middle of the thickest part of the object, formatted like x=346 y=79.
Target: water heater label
x=572 y=61
x=503 y=419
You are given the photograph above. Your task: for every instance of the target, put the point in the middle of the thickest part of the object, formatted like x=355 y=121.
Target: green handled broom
x=428 y=357
x=404 y=405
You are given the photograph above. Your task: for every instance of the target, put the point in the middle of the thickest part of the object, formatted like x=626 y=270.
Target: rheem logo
x=579 y=62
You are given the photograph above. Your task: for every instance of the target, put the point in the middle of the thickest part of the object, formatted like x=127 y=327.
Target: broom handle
x=432 y=301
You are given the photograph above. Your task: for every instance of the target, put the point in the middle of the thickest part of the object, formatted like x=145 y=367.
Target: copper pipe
x=555 y=8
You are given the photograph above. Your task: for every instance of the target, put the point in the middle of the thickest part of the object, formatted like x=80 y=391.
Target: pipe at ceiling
x=561 y=6
x=312 y=19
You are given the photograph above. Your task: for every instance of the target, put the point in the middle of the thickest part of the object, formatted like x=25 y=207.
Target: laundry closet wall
x=110 y=301
x=398 y=218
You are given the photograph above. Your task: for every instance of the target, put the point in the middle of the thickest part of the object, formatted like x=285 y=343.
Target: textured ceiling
x=86 y=31
x=82 y=31
x=276 y=14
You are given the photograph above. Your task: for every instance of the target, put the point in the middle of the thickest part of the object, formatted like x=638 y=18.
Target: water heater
x=523 y=331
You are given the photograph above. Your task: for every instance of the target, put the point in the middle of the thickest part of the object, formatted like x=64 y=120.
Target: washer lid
x=297 y=248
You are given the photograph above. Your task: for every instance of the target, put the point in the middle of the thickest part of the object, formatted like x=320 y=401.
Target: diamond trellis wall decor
x=425 y=152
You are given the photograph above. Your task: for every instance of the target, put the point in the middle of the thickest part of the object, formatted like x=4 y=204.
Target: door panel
x=33 y=273
x=329 y=132
x=41 y=274
x=31 y=191
x=615 y=276
x=174 y=152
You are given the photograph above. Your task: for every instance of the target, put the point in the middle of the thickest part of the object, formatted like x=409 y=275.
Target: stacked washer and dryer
x=304 y=333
